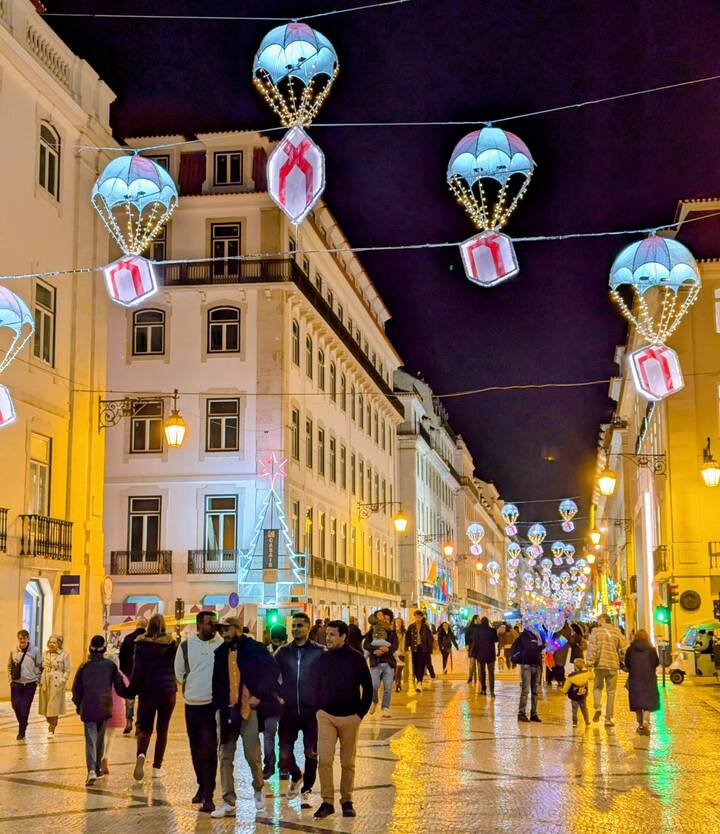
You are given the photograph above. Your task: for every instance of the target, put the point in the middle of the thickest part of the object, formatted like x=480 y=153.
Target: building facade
x=51 y=495
x=282 y=352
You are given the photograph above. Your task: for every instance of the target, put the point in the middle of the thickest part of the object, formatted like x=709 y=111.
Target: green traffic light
x=272 y=617
x=662 y=614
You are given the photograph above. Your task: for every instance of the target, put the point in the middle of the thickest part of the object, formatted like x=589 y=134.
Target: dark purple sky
x=610 y=166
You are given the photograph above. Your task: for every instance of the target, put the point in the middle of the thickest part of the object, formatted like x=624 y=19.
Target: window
x=296 y=343
x=40 y=469
x=353 y=545
x=292 y=246
x=333 y=539
x=361 y=411
x=333 y=460
x=333 y=382
x=224 y=330
x=352 y=402
x=341 y=313
x=352 y=473
x=295 y=433
x=343 y=467
x=318 y=282
x=369 y=420
x=321 y=370
x=308 y=443
x=376 y=426
x=343 y=392
x=361 y=479
x=157 y=250
x=343 y=543
x=228 y=168
x=321 y=534
x=382 y=435
x=49 y=172
x=384 y=496
x=44 y=342
x=309 y=356
x=148 y=332
x=220 y=522
x=321 y=452
x=223 y=426
x=225 y=243
x=350 y=325
x=306 y=265
x=295 y=518
x=162 y=160
x=331 y=299
x=144 y=528
x=146 y=427
x=309 y=530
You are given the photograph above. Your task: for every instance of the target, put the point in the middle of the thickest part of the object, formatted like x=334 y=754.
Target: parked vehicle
x=690 y=660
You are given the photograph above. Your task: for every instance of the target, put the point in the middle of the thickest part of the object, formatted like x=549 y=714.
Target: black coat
x=527 y=649
x=446 y=639
x=483 y=644
x=92 y=688
x=470 y=632
x=296 y=669
x=388 y=656
x=258 y=672
x=127 y=649
x=641 y=660
x=343 y=682
x=355 y=637
x=153 y=668
x=421 y=640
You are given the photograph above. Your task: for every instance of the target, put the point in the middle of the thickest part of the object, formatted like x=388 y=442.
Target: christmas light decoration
x=510 y=515
x=17 y=318
x=7 y=408
x=568 y=510
x=656 y=372
x=493 y=571
x=488 y=173
x=135 y=197
x=475 y=533
x=569 y=554
x=130 y=280
x=294 y=69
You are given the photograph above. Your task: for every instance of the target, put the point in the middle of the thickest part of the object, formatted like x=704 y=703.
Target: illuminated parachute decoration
x=134 y=196
x=536 y=534
x=569 y=554
x=475 y=533
x=558 y=551
x=493 y=569
x=294 y=68
x=17 y=318
x=568 y=511
x=510 y=515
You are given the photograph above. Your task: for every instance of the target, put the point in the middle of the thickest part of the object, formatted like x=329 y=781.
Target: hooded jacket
x=641 y=660
x=93 y=686
x=483 y=645
x=153 y=668
x=296 y=669
x=527 y=649
x=127 y=648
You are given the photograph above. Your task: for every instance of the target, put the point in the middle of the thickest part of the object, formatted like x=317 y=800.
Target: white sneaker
x=305 y=796
x=91 y=778
x=386 y=713
x=372 y=709
x=158 y=773
x=294 y=788
x=50 y=735
x=418 y=686
x=259 y=801
x=224 y=810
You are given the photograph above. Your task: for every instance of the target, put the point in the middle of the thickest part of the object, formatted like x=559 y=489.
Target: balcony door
x=220 y=523
x=144 y=528
x=225 y=244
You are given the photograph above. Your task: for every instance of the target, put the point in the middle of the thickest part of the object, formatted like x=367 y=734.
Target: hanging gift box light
x=558 y=551
x=16 y=318
x=665 y=281
x=294 y=68
x=488 y=173
x=568 y=510
x=135 y=197
x=536 y=534
x=569 y=554
x=475 y=533
x=493 y=572
x=510 y=515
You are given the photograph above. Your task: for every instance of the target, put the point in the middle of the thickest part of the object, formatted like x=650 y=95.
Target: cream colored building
x=283 y=352
x=51 y=489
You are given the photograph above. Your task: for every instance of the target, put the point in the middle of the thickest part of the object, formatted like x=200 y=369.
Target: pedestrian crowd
x=320 y=682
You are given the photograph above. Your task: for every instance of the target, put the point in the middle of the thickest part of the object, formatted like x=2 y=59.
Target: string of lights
x=401 y=247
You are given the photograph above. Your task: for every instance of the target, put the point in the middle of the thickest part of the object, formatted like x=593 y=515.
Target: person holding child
x=382 y=645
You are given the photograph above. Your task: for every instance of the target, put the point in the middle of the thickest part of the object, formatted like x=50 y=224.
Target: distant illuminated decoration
x=568 y=510
x=15 y=317
x=510 y=515
x=475 y=533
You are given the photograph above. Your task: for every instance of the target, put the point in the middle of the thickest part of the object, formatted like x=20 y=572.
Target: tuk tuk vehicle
x=695 y=656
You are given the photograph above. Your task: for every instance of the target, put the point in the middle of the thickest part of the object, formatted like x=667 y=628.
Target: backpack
x=577 y=693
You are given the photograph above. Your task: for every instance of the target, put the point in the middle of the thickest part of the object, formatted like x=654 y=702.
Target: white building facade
x=282 y=354
x=51 y=492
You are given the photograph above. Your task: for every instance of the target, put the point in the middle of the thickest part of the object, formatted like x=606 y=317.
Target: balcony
x=211 y=561
x=140 y=562
x=3 y=530
x=660 y=559
x=47 y=538
x=330 y=571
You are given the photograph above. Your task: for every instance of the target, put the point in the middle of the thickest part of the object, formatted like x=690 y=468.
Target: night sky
x=611 y=166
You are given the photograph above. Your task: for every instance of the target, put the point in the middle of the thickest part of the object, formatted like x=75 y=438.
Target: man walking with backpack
x=194 y=671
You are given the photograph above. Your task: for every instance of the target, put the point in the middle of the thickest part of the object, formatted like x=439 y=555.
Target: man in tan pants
x=344 y=693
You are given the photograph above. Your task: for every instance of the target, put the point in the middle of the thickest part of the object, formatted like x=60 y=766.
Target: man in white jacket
x=194 y=671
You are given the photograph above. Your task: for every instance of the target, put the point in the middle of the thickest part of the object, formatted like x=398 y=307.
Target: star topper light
x=273 y=468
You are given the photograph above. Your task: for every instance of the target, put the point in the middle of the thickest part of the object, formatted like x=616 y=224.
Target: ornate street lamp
x=400 y=522
x=174 y=427
x=710 y=469
x=607 y=482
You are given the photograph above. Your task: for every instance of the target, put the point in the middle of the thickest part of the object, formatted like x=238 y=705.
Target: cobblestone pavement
x=449 y=760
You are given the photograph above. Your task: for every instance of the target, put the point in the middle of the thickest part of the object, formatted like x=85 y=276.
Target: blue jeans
x=529 y=682
x=385 y=674
x=94 y=742
x=270 y=730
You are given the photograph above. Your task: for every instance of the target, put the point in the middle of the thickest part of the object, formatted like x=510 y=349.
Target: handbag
x=16 y=667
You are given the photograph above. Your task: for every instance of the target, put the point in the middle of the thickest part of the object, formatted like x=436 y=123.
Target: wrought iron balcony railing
x=140 y=562
x=212 y=561
x=3 y=529
x=48 y=538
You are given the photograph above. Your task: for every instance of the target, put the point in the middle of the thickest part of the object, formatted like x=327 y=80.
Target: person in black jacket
x=470 y=632
x=92 y=696
x=245 y=688
x=344 y=692
x=297 y=661
x=382 y=662
x=641 y=661
x=419 y=640
x=125 y=659
x=446 y=640
x=484 y=652
x=153 y=680
x=355 y=636
x=527 y=652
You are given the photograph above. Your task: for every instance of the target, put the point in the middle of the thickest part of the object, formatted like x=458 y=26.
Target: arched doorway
x=33 y=609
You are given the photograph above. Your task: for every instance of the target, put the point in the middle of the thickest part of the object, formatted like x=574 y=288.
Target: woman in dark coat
x=576 y=642
x=153 y=680
x=446 y=641
x=641 y=661
x=484 y=651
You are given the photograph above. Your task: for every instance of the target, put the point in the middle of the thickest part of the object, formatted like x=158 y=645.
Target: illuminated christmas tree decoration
x=568 y=510
x=135 y=197
x=493 y=572
x=656 y=372
x=510 y=515
x=17 y=318
x=7 y=409
x=488 y=173
x=130 y=280
x=296 y=174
